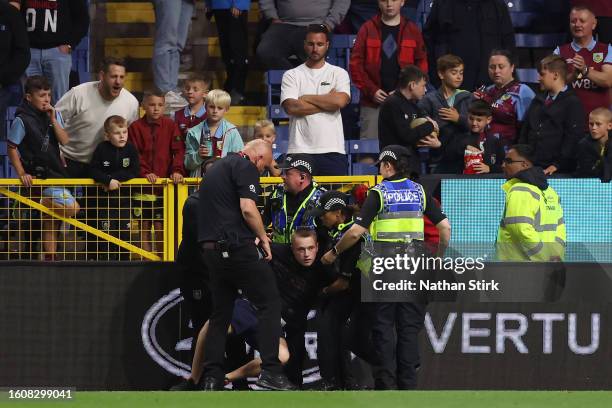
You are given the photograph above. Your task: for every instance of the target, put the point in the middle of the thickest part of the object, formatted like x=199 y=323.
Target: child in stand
x=594 y=156
x=114 y=161
x=214 y=137
x=264 y=129
x=195 y=89
x=33 y=149
x=161 y=152
x=477 y=152
x=448 y=106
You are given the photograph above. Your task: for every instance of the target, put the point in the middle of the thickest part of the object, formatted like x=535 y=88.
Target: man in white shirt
x=312 y=94
x=86 y=107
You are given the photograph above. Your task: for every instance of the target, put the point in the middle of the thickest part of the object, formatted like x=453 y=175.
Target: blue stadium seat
x=539 y=40
x=277 y=112
x=522 y=19
x=280 y=147
x=365 y=146
x=274 y=80
x=340 y=49
x=528 y=75
x=282 y=132
x=80 y=60
x=361 y=169
x=525 y=5
x=361 y=146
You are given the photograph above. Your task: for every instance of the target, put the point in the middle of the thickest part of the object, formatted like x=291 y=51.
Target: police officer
x=341 y=298
x=228 y=224
x=393 y=212
x=291 y=200
x=532 y=228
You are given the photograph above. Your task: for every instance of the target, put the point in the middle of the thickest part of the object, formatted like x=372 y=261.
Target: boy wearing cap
x=393 y=212
x=286 y=210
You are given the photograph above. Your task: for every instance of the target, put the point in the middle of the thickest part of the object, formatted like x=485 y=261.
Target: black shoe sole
x=273 y=387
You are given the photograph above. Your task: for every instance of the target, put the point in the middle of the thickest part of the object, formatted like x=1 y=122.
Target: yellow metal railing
x=120 y=225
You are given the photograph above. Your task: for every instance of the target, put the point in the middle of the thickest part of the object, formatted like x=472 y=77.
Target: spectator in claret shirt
x=55 y=28
x=161 y=152
x=589 y=62
x=195 y=89
x=385 y=44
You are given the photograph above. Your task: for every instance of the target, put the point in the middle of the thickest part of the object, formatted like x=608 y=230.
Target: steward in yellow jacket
x=532 y=227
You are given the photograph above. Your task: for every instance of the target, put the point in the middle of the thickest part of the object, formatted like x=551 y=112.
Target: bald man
x=590 y=61
x=228 y=225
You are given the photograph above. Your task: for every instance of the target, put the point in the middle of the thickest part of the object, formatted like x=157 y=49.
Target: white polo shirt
x=320 y=132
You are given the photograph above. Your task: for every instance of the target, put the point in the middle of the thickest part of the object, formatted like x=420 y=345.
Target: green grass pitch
x=351 y=399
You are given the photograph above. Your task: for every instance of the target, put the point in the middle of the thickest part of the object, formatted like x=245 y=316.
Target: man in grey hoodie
x=288 y=21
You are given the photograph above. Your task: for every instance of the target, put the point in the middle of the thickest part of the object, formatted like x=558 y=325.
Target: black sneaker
x=211 y=384
x=185 y=385
x=275 y=381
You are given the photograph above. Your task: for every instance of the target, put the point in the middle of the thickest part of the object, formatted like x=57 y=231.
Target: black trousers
x=244 y=269
x=233 y=41
x=332 y=344
x=399 y=354
x=278 y=43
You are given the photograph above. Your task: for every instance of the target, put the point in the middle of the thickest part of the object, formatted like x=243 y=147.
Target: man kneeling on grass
x=299 y=279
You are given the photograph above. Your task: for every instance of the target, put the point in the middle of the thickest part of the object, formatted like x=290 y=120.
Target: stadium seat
x=282 y=133
x=525 y=5
x=522 y=19
x=363 y=169
x=274 y=79
x=80 y=60
x=539 y=40
x=361 y=146
x=340 y=50
x=279 y=147
x=528 y=75
x=365 y=146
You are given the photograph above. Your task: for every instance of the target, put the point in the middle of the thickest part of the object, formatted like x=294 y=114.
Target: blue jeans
x=55 y=66
x=172 y=19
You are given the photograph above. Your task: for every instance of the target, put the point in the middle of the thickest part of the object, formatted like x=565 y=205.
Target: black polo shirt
x=298 y=285
x=225 y=183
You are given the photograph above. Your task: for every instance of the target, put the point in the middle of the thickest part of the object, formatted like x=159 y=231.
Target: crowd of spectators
x=465 y=125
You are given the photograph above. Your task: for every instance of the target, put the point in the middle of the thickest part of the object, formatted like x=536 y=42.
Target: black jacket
x=590 y=163
x=14 y=45
x=39 y=149
x=454 y=153
x=394 y=119
x=111 y=162
x=554 y=131
x=470 y=29
x=534 y=176
x=56 y=22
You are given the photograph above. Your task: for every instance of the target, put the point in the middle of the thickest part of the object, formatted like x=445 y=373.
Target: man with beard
x=312 y=95
x=86 y=107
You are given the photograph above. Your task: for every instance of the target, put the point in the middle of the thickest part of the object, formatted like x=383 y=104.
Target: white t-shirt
x=84 y=112
x=321 y=132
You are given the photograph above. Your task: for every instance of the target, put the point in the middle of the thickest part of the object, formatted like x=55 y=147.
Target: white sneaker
x=174 y=101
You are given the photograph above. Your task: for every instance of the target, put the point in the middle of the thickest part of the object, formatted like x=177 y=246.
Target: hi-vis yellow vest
x=532 y=227
x=401 y=217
